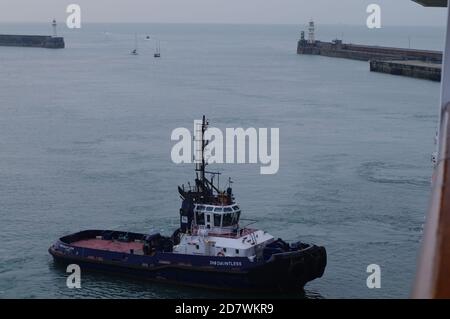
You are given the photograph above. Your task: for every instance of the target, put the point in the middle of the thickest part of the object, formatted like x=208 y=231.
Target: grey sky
x=394 y=12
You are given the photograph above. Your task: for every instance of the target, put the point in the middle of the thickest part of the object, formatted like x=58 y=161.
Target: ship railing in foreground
x=432 y=278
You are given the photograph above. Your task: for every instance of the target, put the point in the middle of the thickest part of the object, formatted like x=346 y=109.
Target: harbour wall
x=416 y=69
x=424 y=64
x=35 y=41
x=366 y=52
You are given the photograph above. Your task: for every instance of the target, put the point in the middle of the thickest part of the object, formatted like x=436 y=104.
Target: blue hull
x=288 y=271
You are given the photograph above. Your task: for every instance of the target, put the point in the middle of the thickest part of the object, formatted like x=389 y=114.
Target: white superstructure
x=215 y=231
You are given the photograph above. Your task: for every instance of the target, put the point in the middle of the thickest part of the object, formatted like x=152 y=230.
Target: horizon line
x=230 y=23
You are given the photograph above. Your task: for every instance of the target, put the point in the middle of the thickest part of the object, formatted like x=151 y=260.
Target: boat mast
x=135 y=42
x=200 y=166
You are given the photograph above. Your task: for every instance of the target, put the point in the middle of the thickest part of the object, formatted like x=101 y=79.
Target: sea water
x=85 y=144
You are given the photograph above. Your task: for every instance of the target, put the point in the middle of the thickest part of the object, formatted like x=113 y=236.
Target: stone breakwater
x=424 y=64
x=35 y=41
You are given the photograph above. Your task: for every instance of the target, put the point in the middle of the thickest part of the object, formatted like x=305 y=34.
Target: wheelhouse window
x=228 y=209
x=236 y=217
x=200 y=218
x=227 y=220
x=217 y=220
x=218 y=209
x=209 y=208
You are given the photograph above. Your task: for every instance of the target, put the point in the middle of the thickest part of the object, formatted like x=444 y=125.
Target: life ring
x=220 y=254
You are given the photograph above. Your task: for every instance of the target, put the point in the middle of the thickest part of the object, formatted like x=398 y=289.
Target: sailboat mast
x=135 y=42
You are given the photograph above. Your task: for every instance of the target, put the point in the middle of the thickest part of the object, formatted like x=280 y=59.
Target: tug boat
x=210 y=249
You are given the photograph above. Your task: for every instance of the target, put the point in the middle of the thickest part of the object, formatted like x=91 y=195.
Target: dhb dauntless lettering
x=225 y=263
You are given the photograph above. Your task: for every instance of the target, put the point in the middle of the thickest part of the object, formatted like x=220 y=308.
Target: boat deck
x=110 y=245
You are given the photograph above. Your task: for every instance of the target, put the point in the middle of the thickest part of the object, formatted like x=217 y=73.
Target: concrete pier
x=365 y=52
x=424 y=64
x=413 y=68
x=35 y=41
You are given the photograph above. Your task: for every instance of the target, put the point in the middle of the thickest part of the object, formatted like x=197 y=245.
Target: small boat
x=147 y=37
x=158 y=51
x=210 y=249
x=135 y=50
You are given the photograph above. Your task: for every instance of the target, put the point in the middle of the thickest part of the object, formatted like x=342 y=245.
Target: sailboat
x=158 y=51
x=135 y=50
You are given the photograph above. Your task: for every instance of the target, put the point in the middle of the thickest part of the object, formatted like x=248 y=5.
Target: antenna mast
x=200 y=166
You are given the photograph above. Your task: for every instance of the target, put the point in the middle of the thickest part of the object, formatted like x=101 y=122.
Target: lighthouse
x=54 y=28
x=311 y=30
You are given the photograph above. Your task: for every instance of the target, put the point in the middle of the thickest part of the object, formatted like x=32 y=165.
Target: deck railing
x=433 y=271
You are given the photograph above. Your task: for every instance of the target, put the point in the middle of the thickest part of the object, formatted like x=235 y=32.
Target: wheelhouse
x=217 y=217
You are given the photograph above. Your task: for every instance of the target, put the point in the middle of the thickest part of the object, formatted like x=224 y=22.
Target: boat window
x=227 y=220
x=228 y=209
x=208 y=218
x=201 y=207
x=218 y=209
x=236 y=207
x=237 y=251
x=200 y=218
x=236 y=217
x=217 y=220
x=209 y=208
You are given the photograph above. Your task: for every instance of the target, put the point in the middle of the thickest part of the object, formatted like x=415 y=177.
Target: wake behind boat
x=210 y=248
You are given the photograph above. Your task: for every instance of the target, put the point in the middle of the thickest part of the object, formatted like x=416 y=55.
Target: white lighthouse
x=311 y=30
x=54 y=28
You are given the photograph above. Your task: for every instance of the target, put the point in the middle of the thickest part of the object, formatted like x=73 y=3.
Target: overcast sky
x=394 y=12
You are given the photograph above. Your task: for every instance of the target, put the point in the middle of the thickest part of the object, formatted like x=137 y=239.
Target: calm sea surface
x=85 y=143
